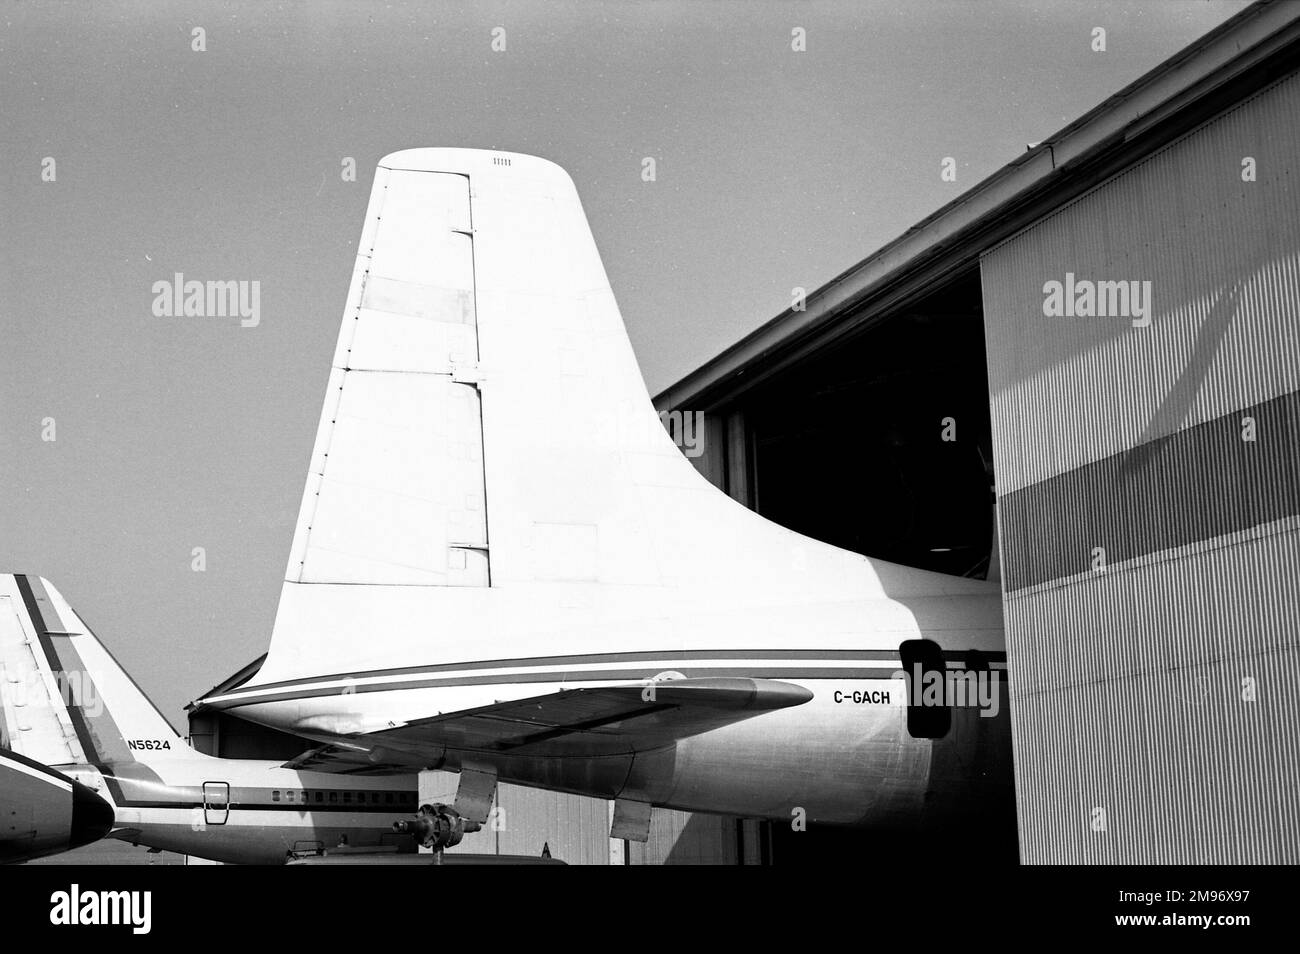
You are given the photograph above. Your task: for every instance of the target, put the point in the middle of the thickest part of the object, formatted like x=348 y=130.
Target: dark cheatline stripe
x=655 y=657
x=312 y=809
x=649 y=656
x=1196 y=484
x=11 y=756
x=142 y=793
x=826 y=675
x=242 y=697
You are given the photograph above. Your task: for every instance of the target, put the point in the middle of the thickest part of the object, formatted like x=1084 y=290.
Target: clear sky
x=775 y=169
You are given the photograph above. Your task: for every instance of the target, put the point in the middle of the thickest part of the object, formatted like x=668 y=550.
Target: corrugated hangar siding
x=686 y=838
x=1157 y=693
x=575 y=829
x=572 y=828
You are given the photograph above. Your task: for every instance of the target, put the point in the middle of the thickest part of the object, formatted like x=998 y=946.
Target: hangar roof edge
x=1244 y=41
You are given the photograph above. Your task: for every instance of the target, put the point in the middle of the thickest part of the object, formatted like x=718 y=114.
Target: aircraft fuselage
x=249 y=812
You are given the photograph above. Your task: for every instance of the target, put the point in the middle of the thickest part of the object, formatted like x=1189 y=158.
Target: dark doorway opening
x=881 y=442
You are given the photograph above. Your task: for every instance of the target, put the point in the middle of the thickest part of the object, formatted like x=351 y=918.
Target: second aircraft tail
x=66 y=699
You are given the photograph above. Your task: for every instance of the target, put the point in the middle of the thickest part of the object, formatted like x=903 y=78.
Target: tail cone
x=92 y=817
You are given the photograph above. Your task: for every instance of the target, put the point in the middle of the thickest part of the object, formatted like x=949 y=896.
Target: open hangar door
x=876 y=440
x=880 y=443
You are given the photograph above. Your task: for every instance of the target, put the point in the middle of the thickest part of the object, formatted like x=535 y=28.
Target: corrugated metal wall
x=685 y=838
x=575 y=829
x=1149 y=505
x=526 y=820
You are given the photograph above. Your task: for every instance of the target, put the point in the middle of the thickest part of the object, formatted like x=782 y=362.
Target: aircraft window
x=275 y=795
x=347 y=797
x=288 y=795
x=388 y=798
x=361 y=797
x=320 y=797
x=334 y=796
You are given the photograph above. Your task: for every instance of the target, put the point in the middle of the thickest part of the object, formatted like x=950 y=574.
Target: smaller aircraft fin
x=106 y=716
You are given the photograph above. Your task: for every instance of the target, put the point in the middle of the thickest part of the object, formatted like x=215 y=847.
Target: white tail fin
x=490 y=479
x=77 y=703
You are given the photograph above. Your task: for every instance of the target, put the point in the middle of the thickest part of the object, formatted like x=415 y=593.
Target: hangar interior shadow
x=881 y=444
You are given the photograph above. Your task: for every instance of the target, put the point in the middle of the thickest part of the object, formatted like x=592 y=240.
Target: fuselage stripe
x=602 y=659
x=331 y=687
x=16 y=763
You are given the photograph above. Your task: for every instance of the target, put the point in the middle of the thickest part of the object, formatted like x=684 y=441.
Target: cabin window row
x=315 y=797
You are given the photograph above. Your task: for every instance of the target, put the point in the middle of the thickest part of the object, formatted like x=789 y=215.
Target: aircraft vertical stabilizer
x=490 y=480
x=66 y=699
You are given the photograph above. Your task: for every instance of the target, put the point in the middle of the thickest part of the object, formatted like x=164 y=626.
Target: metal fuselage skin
x=248 y=812
x=845 y=757
x=494 y=512
x=44 y=812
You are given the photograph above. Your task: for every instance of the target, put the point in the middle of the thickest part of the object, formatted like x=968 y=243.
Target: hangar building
x=1082 y=378
x=1146 y=467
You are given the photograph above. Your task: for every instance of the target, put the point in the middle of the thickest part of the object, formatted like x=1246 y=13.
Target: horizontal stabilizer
x=608 y=720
